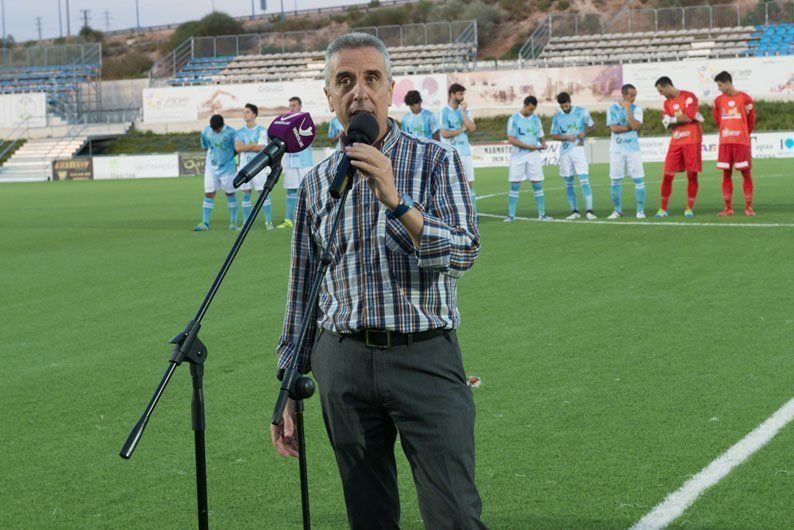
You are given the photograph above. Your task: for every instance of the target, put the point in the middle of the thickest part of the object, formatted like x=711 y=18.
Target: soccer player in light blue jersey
x=456 y=124
x=218 y=140
x=248 y=141
x=525 y=134
x=570 y=126
x=335 y=132
x=624 y=120
x=296 y=165
x=419 y=122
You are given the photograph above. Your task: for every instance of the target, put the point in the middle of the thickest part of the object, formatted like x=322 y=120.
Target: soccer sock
x=616 y=192
x=292 y=199
x=747 y=188
x=570 y=193
x=268 y=207
x=639 y=193
x=540 y=199
x=667 y=189
x=246 y=205
x=206 y=210
x=691 y=189
x=587 y=191
x=512 y=203
x=473 y=199
x=231 y=202
x=727 y=188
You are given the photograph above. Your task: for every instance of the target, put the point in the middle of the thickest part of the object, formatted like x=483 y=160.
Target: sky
x=21 y=23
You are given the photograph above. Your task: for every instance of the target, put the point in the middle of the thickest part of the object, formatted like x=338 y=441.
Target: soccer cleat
x=545 y=218
x=201 y=227
x=749 y=212
x=234 y=228
x=689 y=213
x=726 y=212
x=661 y=214
x=270 y=226
x=591 y=216
x=615 y=215
x=509 y=219
x=574 y=215
x=640 y=215
x=286 y=224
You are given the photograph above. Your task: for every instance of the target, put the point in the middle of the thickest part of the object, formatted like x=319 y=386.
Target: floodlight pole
x=188 y=347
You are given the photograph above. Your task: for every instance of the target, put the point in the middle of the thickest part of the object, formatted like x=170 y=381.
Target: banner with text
x=136 y=166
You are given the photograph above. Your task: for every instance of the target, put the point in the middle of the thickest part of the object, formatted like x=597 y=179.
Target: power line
x=107 y=20
x=86 y=16
x=38 y=25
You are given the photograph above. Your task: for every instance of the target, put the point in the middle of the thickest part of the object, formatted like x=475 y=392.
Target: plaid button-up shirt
x=377 y=278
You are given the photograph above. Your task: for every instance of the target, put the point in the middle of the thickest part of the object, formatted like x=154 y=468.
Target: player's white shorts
x=526 y=166
x=468 y=167
x=625 y=162
x=573 y=162
x=258 y=182
x=215 y=179
x=293 y=176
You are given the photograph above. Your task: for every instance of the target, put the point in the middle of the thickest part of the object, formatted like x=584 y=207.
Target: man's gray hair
x=350 y=41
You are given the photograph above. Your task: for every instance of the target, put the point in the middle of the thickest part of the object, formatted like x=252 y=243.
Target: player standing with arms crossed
x=456 y=123
x=570 y=126
x=296 y=165
x=680 y=113
x=734 y=114
x=335 y=131
x=218 y=140
x=420 y=122
x=525 y=134
x=248 y=141
x=624 y=120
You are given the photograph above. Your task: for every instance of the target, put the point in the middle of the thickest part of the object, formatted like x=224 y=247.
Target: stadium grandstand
x=646 y=35
x=416 y=48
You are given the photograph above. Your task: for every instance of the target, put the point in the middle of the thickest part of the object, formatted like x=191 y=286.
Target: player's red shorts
x=736 y=156
x=683 y=157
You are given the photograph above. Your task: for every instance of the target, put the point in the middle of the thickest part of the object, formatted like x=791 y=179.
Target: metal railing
x=308 y=41
x=56 y=55
x=629 y=20
x=12 y=139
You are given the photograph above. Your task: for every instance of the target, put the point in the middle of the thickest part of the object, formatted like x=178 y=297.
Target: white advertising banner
x=14 y=108
x=498 y=154
x=136 y=166
x=763 y=145
x=761 y=77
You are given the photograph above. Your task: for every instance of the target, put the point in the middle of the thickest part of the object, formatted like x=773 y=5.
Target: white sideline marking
x=677 y=502
x=650 y=222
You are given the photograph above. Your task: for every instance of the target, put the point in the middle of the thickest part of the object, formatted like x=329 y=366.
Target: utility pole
x=38 y=25
x=4 y=31
x=86 y=16
x=107 y=20
x=60 y=20
x=68 y=21
x=138 y=16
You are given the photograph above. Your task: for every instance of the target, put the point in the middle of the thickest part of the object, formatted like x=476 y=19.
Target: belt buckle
x=371 y=344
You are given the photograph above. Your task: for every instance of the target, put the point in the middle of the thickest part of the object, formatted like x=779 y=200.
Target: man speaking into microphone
x=382 y=345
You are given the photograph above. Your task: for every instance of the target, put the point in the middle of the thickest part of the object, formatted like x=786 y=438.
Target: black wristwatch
x=406 y=203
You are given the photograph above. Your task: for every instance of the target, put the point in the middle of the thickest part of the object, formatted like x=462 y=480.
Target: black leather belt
x=375 y=338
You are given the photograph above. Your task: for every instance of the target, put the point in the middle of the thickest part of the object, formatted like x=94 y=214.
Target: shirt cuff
x=435 y=245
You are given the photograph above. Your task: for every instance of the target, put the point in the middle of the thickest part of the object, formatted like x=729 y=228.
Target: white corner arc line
x=651 y=222
x=677 y=502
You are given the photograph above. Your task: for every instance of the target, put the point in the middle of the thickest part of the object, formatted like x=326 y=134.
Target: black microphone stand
x=299 y=387
x=188 y=347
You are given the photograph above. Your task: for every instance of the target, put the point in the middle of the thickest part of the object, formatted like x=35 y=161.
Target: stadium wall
x=184 y=109
x=16 y=108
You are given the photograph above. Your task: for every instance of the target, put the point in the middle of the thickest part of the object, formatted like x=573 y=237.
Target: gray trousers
x=369 y=396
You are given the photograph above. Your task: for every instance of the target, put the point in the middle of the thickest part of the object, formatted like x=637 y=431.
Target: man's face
x=416 y=108
x=248 y=114
x=528 y=110
x=566 y=107
x=630 y=95
x=294 y=106
x=724 y=86
x=665 y=90
x=457 y=97
x=359 y=83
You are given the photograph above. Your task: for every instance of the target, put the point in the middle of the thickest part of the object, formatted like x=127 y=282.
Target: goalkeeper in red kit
x=734 y=114
x=685 y=151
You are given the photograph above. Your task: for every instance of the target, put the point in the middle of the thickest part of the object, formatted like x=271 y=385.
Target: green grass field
x=616 y=361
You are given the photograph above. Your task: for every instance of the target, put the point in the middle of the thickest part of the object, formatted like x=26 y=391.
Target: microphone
x=290 y=133
x=362 y=129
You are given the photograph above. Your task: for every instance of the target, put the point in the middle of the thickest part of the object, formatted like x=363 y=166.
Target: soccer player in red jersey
x=684 y=153
x=734 y=114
